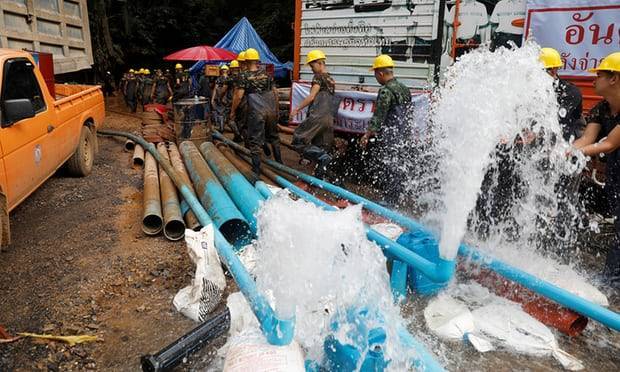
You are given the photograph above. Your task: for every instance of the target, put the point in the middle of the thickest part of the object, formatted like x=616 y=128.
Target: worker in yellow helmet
x=314 y=137
x=262 y=121
x=390 y=128
x=218 y=98
x=602 y=136
x=241 y=60
x=241 y=112
x=568 y=95
x=131 y=90
x=146 y=88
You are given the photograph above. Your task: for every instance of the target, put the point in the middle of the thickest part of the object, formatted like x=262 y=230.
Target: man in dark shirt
x=568 y=96
x=131 y=91
x=262 y=99
x=161 y=91
x=389 y=125
x=602 y=136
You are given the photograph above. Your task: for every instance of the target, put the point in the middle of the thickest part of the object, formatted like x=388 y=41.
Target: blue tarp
x=241 y=37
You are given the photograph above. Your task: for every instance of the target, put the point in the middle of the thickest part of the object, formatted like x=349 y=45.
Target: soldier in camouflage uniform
x=161 y=89
x=221 y=98
x=131 y=92
x=390 y=126
x=314 y=137
x=146 y=88
x=262 y=98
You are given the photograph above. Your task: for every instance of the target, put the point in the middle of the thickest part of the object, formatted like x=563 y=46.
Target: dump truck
x=39 y=132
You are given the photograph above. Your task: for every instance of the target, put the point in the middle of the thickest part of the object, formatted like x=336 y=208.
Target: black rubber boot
x=266 y=150
x=277 y=154
x=321 y=168
x=255 y=168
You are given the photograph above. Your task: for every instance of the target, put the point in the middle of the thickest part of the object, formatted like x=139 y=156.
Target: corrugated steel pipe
x=542 y=287
x=240 y=190
x=152 y=221
x=277 y=331
x=174 y=226
x=177 y=163
x=214 y=198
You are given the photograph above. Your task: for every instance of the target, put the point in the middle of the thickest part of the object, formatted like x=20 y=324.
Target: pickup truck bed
x=39 y=133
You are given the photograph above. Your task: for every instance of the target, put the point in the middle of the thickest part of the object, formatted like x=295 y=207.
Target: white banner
x=355 y=109
x=584 y=32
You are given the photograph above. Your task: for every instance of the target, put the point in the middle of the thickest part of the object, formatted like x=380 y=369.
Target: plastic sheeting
x=241 y=37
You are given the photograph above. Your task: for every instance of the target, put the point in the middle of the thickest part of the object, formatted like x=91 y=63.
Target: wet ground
x=80 y=264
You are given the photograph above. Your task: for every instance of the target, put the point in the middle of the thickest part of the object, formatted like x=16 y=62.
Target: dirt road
x=80 y=264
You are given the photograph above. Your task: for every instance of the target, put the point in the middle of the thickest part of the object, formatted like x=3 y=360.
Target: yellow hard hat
x=252 y=55
x=223 y=67
x=131 y=71
x=609 y=63
x=315 y=55
x=178 y=66
x=382 y=61
x=241 y=57
x=234 y=64
x=147 y=71
x=550 y=58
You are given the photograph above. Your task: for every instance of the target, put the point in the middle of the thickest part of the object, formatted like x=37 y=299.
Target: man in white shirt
x=472 y=21
x=506 y=14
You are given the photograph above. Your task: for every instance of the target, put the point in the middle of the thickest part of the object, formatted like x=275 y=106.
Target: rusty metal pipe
x=177 y=163
x=174 y=226
x=212 y=195
x=152 y=221
x=138 y=157
x=277 y=330
x=129 y=145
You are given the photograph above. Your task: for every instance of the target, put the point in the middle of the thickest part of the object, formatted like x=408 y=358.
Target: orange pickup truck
x=40 y=133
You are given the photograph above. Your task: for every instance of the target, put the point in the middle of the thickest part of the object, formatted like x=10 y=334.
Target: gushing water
x=318 y=264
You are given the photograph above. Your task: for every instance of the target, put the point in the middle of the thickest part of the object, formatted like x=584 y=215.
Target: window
x=20 y=82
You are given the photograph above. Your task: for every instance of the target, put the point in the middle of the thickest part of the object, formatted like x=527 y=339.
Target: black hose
x=194 y=340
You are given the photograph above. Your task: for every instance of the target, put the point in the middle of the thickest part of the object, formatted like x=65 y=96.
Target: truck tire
x=80 y=164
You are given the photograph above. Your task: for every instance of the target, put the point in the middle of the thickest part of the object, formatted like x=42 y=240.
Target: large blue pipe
x=214 y=198
x=542 y=287
x=239 y=188
x=440 y=272
x=277 y=331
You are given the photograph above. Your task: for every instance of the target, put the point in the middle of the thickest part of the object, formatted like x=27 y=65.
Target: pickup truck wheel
x=80 y=164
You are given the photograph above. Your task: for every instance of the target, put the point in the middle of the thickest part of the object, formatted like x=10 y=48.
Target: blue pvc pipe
x=441 y=271
x=544 y=288
x=424 y=360
x=214 y=198
x=263 y=189
x=239 y=188
x=277 y=331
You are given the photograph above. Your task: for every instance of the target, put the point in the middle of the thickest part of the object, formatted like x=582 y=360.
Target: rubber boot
x=266 y=150
x=255 y=168
x=277 y=154
x=321 y=168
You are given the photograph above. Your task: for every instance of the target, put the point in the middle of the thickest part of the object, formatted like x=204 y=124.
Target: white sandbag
x=241 y=316
x=576 y=284
x=518 y=331
x=451 y=319
x=249 y=351
x=273 y=189
x=389 y=230
x=204 y=294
